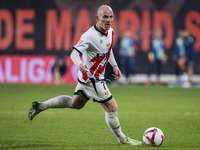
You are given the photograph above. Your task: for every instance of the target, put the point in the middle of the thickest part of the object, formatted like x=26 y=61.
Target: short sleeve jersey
x=95 y=47
x=180 y=47
x=158 y=46
x=189 y=47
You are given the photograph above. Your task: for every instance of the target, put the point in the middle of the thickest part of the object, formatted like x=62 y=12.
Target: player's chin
x=107 y=27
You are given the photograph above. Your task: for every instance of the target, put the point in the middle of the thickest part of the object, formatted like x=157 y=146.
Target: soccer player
x=178 y=57
x=184 y=57
x=95 y=45
x=127 y=52
x=59 y=69
x=187 y=64
x=157 y=57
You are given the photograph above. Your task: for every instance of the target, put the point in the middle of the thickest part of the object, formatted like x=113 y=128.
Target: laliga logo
x=26 y=70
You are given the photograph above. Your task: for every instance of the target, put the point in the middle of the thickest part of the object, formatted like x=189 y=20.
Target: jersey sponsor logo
x=101 y=55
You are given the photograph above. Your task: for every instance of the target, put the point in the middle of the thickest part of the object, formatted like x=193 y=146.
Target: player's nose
x=108 y=19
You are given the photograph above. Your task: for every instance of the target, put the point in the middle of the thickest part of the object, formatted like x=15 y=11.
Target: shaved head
x=103 y=8
x=104 y=17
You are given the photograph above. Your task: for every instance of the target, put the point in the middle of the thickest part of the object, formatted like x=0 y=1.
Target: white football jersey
x=95 y=47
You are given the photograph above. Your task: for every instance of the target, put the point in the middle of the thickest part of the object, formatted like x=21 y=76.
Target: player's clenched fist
x=117 y=72
x=83 y=68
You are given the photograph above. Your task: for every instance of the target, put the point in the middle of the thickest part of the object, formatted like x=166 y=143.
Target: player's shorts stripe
x=77 y=50
x=82 y=93
x=94 y=85
x=103 y=101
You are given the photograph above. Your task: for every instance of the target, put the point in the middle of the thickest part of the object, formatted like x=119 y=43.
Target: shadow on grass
x=48 y=146
x=27 y=146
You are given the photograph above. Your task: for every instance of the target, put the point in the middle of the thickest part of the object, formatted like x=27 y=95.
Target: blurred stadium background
x=34 y=32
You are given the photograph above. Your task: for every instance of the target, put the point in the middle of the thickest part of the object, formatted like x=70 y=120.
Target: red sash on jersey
x=97 y=60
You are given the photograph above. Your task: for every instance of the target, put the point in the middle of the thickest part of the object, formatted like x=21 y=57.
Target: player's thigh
x=110 y=106
x=78 y=101
x=99 y=92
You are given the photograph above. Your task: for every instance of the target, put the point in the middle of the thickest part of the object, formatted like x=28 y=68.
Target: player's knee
x=110 y=106
x=78 y=104
x=114 y=108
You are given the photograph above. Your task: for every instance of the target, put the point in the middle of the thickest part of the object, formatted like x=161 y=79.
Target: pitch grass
x=175 y=111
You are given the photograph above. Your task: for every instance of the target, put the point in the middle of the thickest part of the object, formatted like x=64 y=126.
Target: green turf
x=175 y=111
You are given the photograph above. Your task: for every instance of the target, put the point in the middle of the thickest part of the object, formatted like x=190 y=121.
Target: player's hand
x=117 y=73
x=83 y=68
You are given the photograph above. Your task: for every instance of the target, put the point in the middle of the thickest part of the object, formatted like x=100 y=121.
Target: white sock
x=62 y=101
x=113 y=123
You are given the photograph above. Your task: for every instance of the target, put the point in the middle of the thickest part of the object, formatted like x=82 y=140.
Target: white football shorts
x=97 y=90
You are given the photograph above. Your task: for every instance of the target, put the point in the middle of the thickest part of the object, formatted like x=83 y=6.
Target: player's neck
x=100 y=29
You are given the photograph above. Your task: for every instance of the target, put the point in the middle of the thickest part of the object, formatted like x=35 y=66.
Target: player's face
x=105 y=19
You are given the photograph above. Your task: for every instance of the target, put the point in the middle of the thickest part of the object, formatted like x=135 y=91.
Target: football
x=153 y=137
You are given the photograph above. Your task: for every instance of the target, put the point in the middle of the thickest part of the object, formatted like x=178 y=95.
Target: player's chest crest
x=104 y=44
x=107 y=45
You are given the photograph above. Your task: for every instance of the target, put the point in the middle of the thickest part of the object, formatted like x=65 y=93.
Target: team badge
x=106 y=93
x=107 y=45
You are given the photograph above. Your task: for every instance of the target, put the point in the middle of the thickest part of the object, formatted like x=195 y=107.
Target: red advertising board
x=33 y=69
x=53 y=27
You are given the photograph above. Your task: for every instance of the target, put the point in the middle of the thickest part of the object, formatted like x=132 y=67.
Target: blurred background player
x=59 y=69
x=186 y=64
x=178 y=57
x=157 y=57
x=127 y=52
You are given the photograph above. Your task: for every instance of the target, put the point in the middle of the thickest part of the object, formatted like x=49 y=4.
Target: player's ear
x=97 y=17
